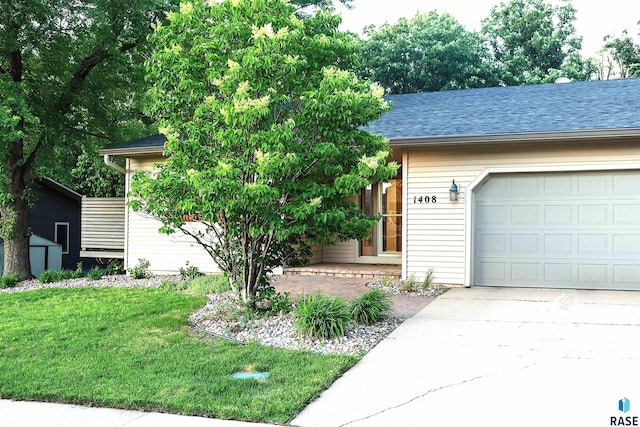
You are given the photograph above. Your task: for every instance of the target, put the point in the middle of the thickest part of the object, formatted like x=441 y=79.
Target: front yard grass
x=132 y=348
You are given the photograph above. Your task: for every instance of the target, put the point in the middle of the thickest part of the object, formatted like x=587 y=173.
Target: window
x=62 y=236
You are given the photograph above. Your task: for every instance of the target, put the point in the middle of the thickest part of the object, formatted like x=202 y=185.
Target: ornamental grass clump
x=320 y=316
x=371 y=307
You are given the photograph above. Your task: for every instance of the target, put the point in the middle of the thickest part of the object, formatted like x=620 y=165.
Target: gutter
x=592 y=134
x=108 y=162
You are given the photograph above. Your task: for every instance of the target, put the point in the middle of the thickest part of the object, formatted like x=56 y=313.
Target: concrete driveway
x=497 y=357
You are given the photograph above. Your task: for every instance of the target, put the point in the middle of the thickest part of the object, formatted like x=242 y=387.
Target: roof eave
x=594 y=134
x=131 y=151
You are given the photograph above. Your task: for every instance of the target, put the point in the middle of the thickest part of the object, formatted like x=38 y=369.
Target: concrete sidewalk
x=37 y=414
x=496 y=357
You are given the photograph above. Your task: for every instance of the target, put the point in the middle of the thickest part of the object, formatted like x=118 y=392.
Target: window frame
x=55 y=235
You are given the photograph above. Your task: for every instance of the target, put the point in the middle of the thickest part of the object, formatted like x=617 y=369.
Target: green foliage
x=91 y=177
x=71 y=80
x=141 y=270
x=9 y=281
x=428 y=278
x=209 y=284
x=622 y=56
x=321 y=316
x=270 y=302
x=531 y=41
x=201 y=285
x=137 y=342
x=189 y=272
x=426 y=53
x=169 y=285
x=114 y=267
x=265 y=134
x=410 y=284
x=50 y=276
x=371 y=307
x=95 y=273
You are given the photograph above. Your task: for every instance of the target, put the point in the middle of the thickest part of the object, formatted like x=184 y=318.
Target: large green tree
x=532 y=41
x=265 y=139
x=429 y=52
x=620 y=57
x=67 y=73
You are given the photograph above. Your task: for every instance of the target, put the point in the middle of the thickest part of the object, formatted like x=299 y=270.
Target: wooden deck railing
x=102 y=229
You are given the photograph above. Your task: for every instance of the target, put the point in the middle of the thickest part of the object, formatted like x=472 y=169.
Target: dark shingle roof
x=580 y=106
x=500 y=111
x=153 y=143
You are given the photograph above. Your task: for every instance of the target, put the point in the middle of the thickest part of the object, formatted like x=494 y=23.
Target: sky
x=594 y=18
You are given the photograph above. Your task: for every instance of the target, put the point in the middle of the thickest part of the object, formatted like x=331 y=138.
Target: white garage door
x=559 y=230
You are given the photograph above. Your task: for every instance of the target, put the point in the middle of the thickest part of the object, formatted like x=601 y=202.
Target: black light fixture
x=453 y=191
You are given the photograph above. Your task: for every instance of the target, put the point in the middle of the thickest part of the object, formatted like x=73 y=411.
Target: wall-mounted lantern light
x=453 y=191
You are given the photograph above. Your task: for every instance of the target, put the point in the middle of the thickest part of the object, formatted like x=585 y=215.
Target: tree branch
x=15 y=65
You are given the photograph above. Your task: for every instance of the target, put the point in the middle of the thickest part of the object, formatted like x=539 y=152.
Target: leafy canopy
x=532 y=42
x=265 y=139
x=429 y=52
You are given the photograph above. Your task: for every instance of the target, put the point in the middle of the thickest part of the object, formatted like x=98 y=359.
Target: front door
x=384 y=199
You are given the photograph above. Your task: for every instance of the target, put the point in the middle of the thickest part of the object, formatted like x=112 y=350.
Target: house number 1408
x=424 y=199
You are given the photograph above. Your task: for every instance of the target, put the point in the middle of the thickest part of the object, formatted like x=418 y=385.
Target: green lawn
x=131 y=348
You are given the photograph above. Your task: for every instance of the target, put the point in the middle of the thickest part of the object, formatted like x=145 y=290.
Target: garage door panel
x=626 y=214
x=593 y=244
x=627 y=245
x=492 y=214
x=626 y=184
x=593 y=185
x=558 y=244
x=525 y=215
x=626 y=275
x=558 y=274
x=558 y=214
x=590 y=215
x=525 y=272
x=558 y=185
x=558 y=230
x=527 y=244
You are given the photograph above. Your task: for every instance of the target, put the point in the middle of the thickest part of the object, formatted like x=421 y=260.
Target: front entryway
x=558 y=230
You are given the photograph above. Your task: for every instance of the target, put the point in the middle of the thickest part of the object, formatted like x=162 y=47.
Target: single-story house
x=55 y=223
x=546 y=192
x=55 y=216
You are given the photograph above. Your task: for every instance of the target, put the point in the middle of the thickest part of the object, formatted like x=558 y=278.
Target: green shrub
x=428 y=279
x=95 y=273
x=209 y=284
x=321 y=316
x=270 y=302
x=409 y=284
x=172 y=285
x=371 y=307
x=49 y=276
x=9 y=281
x=189 y=272
x=114 y=267
x=78 y=272
x=141 y=270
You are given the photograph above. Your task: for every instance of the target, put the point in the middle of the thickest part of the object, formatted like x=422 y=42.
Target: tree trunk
x=15 y=212
x=16 y=246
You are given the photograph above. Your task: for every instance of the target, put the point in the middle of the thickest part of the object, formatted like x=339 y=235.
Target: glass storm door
x=383 y=199
x=367 y=245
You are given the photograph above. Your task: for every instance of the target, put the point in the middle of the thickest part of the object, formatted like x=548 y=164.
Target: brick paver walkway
x=405 y=306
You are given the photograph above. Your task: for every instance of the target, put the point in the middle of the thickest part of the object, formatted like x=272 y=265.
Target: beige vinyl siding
x=436 y=232
x=341 y=252
x=102 y=227
x=166 y=253
x=318 y=254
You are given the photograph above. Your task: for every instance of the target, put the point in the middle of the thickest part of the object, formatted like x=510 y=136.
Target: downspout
x=108 y=162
